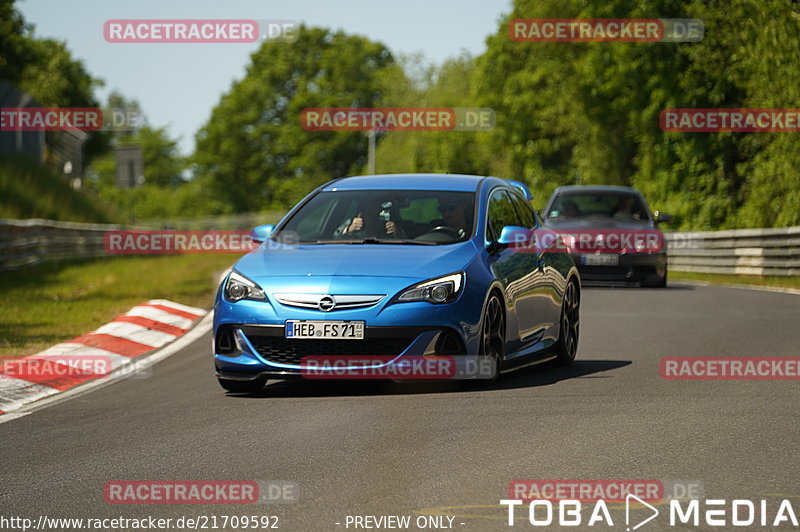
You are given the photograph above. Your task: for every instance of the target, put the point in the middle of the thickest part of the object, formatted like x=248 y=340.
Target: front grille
x=605 y=272
x=335 y=302
x=292 y=351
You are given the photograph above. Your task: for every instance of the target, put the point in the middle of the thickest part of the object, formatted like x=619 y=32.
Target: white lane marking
x=161 y=316
x=16 y=392
x=137 y=333
x=203 y=327
x=75 y=355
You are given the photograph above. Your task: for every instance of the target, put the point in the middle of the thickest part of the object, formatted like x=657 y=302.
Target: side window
x=526 y=216
x=500 y=214
x=311 y=226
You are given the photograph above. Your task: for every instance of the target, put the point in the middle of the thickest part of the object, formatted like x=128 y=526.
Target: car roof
x=570 y=189
x=449 y=182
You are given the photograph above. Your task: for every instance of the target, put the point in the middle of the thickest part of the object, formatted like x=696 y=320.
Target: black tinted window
x=436 y=216
x=501 y=213
x=598 y=204
x=524 y=211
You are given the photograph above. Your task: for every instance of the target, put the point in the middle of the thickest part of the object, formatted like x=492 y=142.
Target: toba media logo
x=570 y=513
x=568 y=503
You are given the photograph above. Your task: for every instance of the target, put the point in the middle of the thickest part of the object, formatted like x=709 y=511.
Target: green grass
x=30 y=190
x=714 y=278
x=54 y=302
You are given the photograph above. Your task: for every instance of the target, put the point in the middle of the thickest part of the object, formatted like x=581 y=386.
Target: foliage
x=566 y=113
x=253 y=151
x=29 y=190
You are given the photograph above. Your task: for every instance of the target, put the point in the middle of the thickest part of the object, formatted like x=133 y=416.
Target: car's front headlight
x=439 y=290
x=239 y=287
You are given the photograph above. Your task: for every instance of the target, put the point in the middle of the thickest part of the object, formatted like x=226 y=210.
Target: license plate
x=600 y=259
x=325 y=330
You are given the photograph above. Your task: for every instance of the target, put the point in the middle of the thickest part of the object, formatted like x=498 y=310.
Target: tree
x=253 y=152
x=46 y=70
x=15 y=37
x=417 y=83
x=571 y=113
x=164 y=192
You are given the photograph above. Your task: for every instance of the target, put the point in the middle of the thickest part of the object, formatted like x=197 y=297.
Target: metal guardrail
x=737 y=251
x=230 y=222
x=25 y=243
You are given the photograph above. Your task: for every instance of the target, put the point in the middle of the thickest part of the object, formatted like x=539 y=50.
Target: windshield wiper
x=371 y=240
x=407 y=241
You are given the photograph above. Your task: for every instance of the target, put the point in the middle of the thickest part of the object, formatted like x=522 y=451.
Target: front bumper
x=263 y=351
x=392 y=331
x=633 y=268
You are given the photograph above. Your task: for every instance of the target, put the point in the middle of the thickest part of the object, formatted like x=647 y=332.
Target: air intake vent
x=225 y=344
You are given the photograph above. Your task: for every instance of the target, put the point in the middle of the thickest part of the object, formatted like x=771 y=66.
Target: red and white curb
x=117 y=344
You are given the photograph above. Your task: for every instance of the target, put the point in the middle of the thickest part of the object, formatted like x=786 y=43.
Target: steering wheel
x=446 y=229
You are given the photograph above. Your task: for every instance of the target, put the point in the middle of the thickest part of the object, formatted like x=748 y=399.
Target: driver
x=626 y=208
x=377 y=213
x=455 y=216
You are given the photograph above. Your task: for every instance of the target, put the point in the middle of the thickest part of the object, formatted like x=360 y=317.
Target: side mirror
x=661 y=217
x=261 y=233
x=511 y=234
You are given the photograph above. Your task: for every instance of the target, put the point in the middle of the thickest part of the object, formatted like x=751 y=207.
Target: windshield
x=423 y=217
x=621 y=206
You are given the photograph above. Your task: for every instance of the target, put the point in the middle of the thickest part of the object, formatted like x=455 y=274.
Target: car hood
x=599 y=223
x=270 y=261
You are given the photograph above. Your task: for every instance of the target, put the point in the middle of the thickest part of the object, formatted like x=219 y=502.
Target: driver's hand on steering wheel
x=356 y=225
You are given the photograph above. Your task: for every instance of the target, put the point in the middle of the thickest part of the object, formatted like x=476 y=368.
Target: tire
x=493 y=336
x=660 y=282
x=253 y=386
x=569 y=333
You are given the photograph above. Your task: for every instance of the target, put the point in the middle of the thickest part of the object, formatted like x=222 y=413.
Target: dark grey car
x=611 y=212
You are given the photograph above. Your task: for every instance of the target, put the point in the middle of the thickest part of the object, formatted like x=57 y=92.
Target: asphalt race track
x=403 y=449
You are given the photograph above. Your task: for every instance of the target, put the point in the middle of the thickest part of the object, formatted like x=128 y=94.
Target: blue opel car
x=394 y=267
